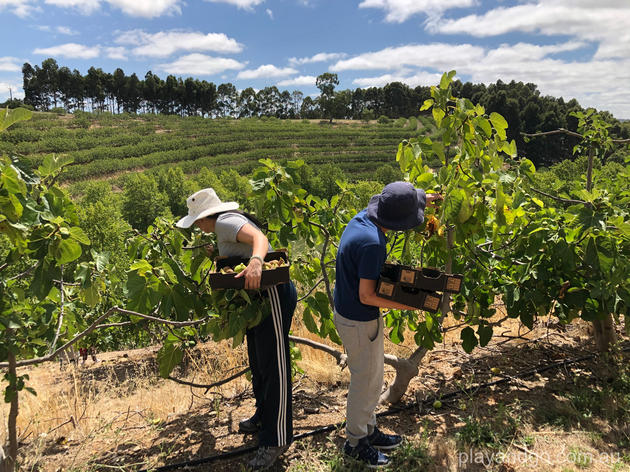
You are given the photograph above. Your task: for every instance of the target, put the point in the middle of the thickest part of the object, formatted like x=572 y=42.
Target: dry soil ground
x=116 y=414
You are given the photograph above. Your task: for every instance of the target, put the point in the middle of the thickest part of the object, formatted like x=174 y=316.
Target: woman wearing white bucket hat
x=239 y=234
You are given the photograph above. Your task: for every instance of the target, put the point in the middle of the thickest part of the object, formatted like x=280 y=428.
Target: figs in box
x=275 y=271
x=412 y=296
x=425 y=278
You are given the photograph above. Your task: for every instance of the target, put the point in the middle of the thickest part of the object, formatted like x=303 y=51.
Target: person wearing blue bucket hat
x=360 y=258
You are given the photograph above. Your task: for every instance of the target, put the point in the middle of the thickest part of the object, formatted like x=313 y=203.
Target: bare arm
x=252 y=236
x=368 y=296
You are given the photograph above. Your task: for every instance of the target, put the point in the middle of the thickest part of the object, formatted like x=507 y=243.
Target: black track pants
x=270 y=362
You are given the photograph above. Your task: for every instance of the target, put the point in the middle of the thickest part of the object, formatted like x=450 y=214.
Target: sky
x=568 y=48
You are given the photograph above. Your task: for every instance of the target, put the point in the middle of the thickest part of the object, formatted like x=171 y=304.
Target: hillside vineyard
x=103 y=145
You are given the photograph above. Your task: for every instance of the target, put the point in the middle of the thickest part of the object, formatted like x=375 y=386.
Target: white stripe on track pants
x=270 y=362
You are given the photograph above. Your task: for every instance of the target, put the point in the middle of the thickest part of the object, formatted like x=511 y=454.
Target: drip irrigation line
x=388 y=412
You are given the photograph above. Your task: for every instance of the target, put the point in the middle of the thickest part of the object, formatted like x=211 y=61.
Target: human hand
x=432 y=198
x=252 y=274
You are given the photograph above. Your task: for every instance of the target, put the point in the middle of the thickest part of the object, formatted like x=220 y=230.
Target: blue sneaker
x=384 y=442
x=365 y=453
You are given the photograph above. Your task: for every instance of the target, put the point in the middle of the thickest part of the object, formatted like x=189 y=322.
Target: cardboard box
x=425 y=278
x=269 y=278
x=412 y=296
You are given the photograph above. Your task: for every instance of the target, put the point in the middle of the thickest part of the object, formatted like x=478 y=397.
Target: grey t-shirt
x=227 y=227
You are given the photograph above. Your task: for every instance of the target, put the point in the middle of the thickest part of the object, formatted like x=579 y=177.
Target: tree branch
x=115 y=325
x=177 y=324
x=49 y=357
x=95 y=325
x=208 y=387
x=563 y=200
x=312 y=289
x=23 y=274
x=567 y=132
x=70 y=284
x=339 y=356
x=556 y=131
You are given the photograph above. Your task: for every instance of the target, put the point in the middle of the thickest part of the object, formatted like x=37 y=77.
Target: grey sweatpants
x=363 y=341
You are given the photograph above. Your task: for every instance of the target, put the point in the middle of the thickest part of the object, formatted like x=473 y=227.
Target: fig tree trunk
x=604 y=332
x=604 y=329
x=8 y=464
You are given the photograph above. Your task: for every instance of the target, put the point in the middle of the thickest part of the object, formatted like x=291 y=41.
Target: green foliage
x=498 y=229
x=324 y=183
x=108 y=232
x=47 y=275
x=143 y=202
x=411 y=455
x=172 y=183
x=387 y=173
x=9 y=117
x=539 y=256
x=359 y=193
x=503 y=428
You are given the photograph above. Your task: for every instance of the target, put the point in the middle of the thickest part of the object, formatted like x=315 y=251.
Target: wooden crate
x=268 y=278
x=425 y=278
x=412 y=296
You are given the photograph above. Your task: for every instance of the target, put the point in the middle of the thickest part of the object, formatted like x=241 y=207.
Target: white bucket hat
x=204 y=203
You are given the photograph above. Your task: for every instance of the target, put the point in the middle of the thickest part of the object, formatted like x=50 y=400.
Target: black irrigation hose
x=389 y=412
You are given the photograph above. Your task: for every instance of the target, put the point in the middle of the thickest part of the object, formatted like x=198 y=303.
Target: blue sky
x=570 y=48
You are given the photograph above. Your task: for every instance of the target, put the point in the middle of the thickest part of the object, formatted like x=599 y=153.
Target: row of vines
x=154 y=141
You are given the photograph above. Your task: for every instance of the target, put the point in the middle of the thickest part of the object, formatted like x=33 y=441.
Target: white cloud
x=303 y=80
x=269 y=13
x=148 y=8
x=9 y=64
x=165 y=43
x=266 y=71
x=21 y=8
x=600 y=83
x=320 y=57
x=86 y=7
x=440 y=56
x=421 y=78
x=596 y=83
x=141 y=8
x=243 y=4
x=66 y=30
x=200 y=64
x=118 y=53
x=607 y=23
x=57 y=29
x=400 y=10
x=8 y=89
x=70 y=50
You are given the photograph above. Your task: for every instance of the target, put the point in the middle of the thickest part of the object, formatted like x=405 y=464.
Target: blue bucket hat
x=400 y=206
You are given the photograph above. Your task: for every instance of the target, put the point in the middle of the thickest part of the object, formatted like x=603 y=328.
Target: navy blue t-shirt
x=361 y=255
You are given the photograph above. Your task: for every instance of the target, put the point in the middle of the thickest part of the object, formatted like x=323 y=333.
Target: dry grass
x=82 y=404
x=117 y=412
